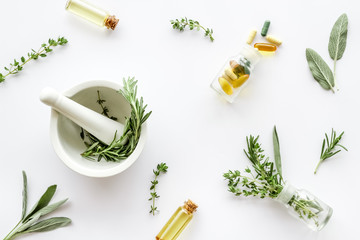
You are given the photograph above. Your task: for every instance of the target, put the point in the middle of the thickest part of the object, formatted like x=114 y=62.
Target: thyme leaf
x=192 y=24
x=18 y=65
x=160 y=168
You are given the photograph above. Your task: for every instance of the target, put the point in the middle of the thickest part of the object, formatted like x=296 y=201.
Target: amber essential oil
x=178 y=221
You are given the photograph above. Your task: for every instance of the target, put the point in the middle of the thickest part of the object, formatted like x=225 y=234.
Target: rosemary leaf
x=123 y=147
x=333 y=147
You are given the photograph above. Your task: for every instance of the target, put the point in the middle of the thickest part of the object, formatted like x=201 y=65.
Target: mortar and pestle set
x=77 y=108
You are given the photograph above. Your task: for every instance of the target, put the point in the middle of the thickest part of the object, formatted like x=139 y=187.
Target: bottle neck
x=111 y=22
x=286 y=193
x=190 y=206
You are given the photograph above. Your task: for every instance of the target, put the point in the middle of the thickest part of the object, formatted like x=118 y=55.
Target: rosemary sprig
x=161 y=168
x=31 y=222
x=266 y=180
x=18 y=65
x=123 y=147
x=184 y=22
x=330 y=147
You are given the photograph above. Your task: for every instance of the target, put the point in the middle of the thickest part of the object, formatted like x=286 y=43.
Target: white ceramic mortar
x=65 y=134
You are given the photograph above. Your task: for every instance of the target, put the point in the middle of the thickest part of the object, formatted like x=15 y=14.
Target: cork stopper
x=190 y=206
x=111 y=22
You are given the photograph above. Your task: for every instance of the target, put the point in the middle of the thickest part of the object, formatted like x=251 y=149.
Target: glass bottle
x=305 y=206
x=234 y=75
x=178 y=221
x=92 y=13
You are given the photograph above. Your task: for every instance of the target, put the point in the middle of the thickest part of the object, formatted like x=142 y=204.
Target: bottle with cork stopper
x=92 y=13
x=178 y=221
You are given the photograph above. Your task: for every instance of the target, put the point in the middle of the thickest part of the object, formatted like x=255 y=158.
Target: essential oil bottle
x=178 y=221
x=92 y=13
x=235 y=74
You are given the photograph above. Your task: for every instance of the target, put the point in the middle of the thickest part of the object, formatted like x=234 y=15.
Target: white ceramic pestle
x=95 y=123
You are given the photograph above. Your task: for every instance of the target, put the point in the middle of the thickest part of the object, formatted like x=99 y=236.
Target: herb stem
x=10 y=234
x=317 y=166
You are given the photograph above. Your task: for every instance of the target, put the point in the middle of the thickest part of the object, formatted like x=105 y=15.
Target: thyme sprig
x=160 y=168
x=331 y=146
x=193 y=24
x=18 y=65
x=266 y=180
x=123 y=147
x=31 y=221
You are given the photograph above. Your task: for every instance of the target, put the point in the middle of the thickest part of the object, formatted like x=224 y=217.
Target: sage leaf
x=277 y=156
x=50 y=208
x=338 y=36
x=49 y=224
x=320 y=70
x=43 y=202
x=24 y=196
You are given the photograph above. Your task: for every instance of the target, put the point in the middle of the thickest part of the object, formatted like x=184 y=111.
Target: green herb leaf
x=320 y=70
x=33 y=55
x=120 y=149
x=49 y=224
x=331 y=145
x=29 y=223
x=43 y=202
x=160 y=168
x=181 y=25
x=24 y=196
x=338 y=36
x=277 y=156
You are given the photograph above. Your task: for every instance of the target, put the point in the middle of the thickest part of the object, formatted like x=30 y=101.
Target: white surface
x=191 y=129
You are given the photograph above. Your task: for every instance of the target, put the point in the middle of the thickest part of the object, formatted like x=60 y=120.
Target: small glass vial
x=305 y=206
x=178 y=221
x=234 y=75
x=92 y=13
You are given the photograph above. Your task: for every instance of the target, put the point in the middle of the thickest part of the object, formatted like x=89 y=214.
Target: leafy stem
x=193 y=24
x=160 y=168
x=331 y=145
x=121 y=148
x=18 y=65
x=31 y=221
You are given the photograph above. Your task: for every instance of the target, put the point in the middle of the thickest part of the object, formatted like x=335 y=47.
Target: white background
x=197 y=134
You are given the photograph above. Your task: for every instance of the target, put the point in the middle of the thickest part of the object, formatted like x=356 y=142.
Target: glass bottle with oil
x=178 y=221
x=92 y=13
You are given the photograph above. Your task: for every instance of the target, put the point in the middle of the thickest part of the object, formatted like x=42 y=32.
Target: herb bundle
x=160 y=168
x=266 y=180
x=123 y=147
x=18 y=65
x=336 y=47
x=330 y=147
x=184 y=22
x=30 y=222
